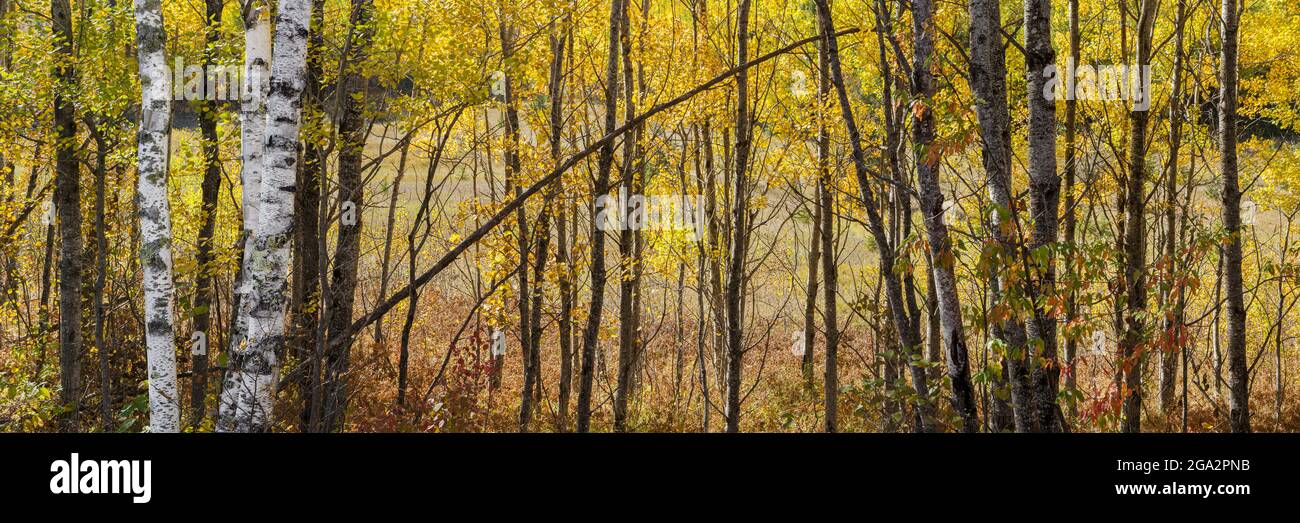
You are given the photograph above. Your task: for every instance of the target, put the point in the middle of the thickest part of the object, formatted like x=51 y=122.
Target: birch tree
x=252 y=138
x=155 y=216
x=250 y=379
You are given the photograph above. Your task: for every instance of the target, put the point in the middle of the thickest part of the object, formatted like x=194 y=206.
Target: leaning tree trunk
x=931 y=197
x=1238 y=374
x=250 y=379
x=931 y=204
x=1044 y=203
x=155 y=216
x=908 y=335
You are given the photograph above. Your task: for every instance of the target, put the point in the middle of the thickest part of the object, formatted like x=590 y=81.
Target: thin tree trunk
x=1278 y=380
x=101 y=275
x=1238 y=373
x=988 y=85
x=1071 y=170
x=204 y=256
x=931 y=198
x=1135 y=240
x=563 y=253
x=810 y=290
x=629 y=281
x=555 y=91
x=736 y=269
x=347 y=249
x=385 y=273
x=305 y=302
x=590 y=336
x=830 y=271
x=908 y=336
x=1174 y=323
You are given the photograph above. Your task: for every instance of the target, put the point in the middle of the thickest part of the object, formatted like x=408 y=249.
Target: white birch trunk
x=155 y=217
x=252 y=130
x=249 y=388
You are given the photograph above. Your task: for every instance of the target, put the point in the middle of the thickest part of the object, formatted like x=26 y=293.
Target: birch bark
x=250 y=379
x=155 y=217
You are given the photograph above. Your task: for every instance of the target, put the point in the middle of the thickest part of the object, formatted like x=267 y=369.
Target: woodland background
x=885 y=190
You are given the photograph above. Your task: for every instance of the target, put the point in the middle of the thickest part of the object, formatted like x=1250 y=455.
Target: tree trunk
x=1238 y=374
x=347 y=249
x=908 y=335
x=252 y=130
x=931 y=198
x=1071 y=169
x=628 y=244
x=591 y=333
x=736 y=269
x=810 y=290
x=988 y=85
x=305 y=302
x=555 y=92
x=250 y=379
x=1174 y=322
x=204 y=256
x=67 y=198
x=101 y=275
x=155 y=217
x=563 y=254
x=1135 y=240
x=1044 y=203
x=830 y=271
